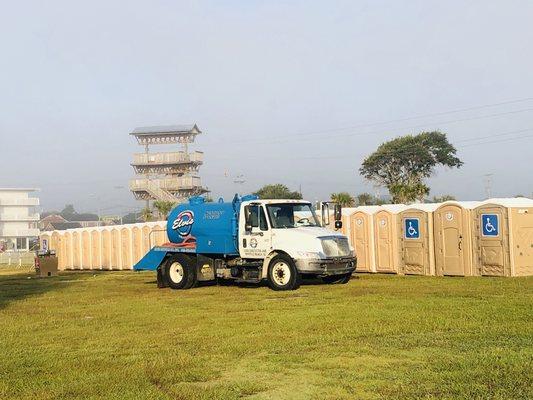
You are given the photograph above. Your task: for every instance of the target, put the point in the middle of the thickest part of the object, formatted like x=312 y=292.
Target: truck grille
x=336 y=246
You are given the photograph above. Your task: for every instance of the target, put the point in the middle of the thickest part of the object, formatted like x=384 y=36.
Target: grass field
x=115 y=335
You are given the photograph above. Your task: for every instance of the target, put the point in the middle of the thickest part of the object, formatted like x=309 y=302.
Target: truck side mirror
x=249 y=223
x=338 y=213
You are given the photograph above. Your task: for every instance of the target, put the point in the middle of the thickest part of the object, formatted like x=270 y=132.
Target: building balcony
x=178 y=162
x=29 y=201
x=167 y=189
x=19 y=217
x=170 y=184
x=28 y=232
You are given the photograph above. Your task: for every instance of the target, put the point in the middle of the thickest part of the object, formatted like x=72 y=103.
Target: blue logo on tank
x=183 y=223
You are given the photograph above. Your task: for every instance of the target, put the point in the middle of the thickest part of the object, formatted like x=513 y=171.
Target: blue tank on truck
x=212 y=227
x=199 y=227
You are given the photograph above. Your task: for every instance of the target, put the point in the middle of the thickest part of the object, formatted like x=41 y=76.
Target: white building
x=18 y=219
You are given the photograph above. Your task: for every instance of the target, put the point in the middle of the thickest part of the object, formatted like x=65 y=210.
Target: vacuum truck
x=250 y=240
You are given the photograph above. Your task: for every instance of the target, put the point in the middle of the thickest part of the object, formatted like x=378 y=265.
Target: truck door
x=254 y=233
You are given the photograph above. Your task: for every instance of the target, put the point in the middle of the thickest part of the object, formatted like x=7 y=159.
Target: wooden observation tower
x=168 y=176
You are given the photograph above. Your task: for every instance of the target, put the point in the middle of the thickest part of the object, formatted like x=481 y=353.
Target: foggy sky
x=296 y=92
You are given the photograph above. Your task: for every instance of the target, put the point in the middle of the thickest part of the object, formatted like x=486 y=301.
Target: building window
x=22 y=243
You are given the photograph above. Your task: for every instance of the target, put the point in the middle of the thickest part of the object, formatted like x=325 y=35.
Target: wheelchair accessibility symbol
x=411 y=230
x=489 y=223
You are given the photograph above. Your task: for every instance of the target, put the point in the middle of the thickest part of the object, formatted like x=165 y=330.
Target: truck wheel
x=282 y=273
x=337 y=279
x=180 y=272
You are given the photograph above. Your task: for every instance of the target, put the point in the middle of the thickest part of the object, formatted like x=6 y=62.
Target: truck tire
x=345 y=278
x=282 y=273
x=180 y=272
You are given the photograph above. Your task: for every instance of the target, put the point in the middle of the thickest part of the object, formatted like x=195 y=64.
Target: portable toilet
x=417 y=255
x=361 y=235
x=346 y=213
x=503 y=237
x=452 y=232
x=386 y=238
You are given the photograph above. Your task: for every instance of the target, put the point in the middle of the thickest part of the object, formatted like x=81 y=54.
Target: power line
x=499 y=141
x=289 y=138
x=491 y=136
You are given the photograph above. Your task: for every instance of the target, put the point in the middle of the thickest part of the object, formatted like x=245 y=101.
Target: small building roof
x=61 y=226
x=24 y=189
x=53 y=218
x=166 y=130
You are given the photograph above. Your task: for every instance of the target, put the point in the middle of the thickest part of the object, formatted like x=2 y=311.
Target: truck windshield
x=291 y=215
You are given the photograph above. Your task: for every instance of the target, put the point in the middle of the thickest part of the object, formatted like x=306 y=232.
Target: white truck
x=250 y=240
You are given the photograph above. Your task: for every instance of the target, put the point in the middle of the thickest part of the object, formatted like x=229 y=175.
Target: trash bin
x=46 y=263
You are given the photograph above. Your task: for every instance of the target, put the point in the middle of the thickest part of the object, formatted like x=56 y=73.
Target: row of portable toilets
x=104 y=248
x=493 y=238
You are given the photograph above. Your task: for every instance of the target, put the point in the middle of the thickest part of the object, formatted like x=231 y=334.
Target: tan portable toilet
x=86 y=249
x=452 y=232
x=115 y=249
x=96 y=249
x=361 y=234
x=503 y=237
x=76 y=250
x=137 y=243
x=125 y=249
x=417 y=255
x=346 y=213
x=386 y=236
x=105 y=260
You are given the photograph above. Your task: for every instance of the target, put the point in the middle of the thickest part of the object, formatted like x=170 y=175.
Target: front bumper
x=327 y=266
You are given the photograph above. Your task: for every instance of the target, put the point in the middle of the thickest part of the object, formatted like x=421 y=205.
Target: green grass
x=116 y=336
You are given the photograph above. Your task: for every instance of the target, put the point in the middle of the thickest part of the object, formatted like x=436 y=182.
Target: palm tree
x=345 y=199
x=164 y=207
x=146 y=214
x=365 y=199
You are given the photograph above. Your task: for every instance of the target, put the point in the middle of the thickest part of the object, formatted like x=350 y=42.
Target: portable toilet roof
x=367 y=209
x=349 y=210
x=469 y=205
x=428 y=207
x=511 y=202
x=393 y=208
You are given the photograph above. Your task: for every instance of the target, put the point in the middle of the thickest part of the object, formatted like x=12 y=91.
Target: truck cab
x=280 y=241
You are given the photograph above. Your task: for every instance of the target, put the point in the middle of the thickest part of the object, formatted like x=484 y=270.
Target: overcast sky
x=296 y=92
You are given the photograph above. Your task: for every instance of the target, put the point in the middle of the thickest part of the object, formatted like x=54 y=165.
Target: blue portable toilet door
x=493 y=244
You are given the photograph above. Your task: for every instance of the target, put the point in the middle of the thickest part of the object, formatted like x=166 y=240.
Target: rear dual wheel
x=180 y=272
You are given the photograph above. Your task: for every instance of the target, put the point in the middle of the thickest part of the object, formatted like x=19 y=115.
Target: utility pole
x=488 y=185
